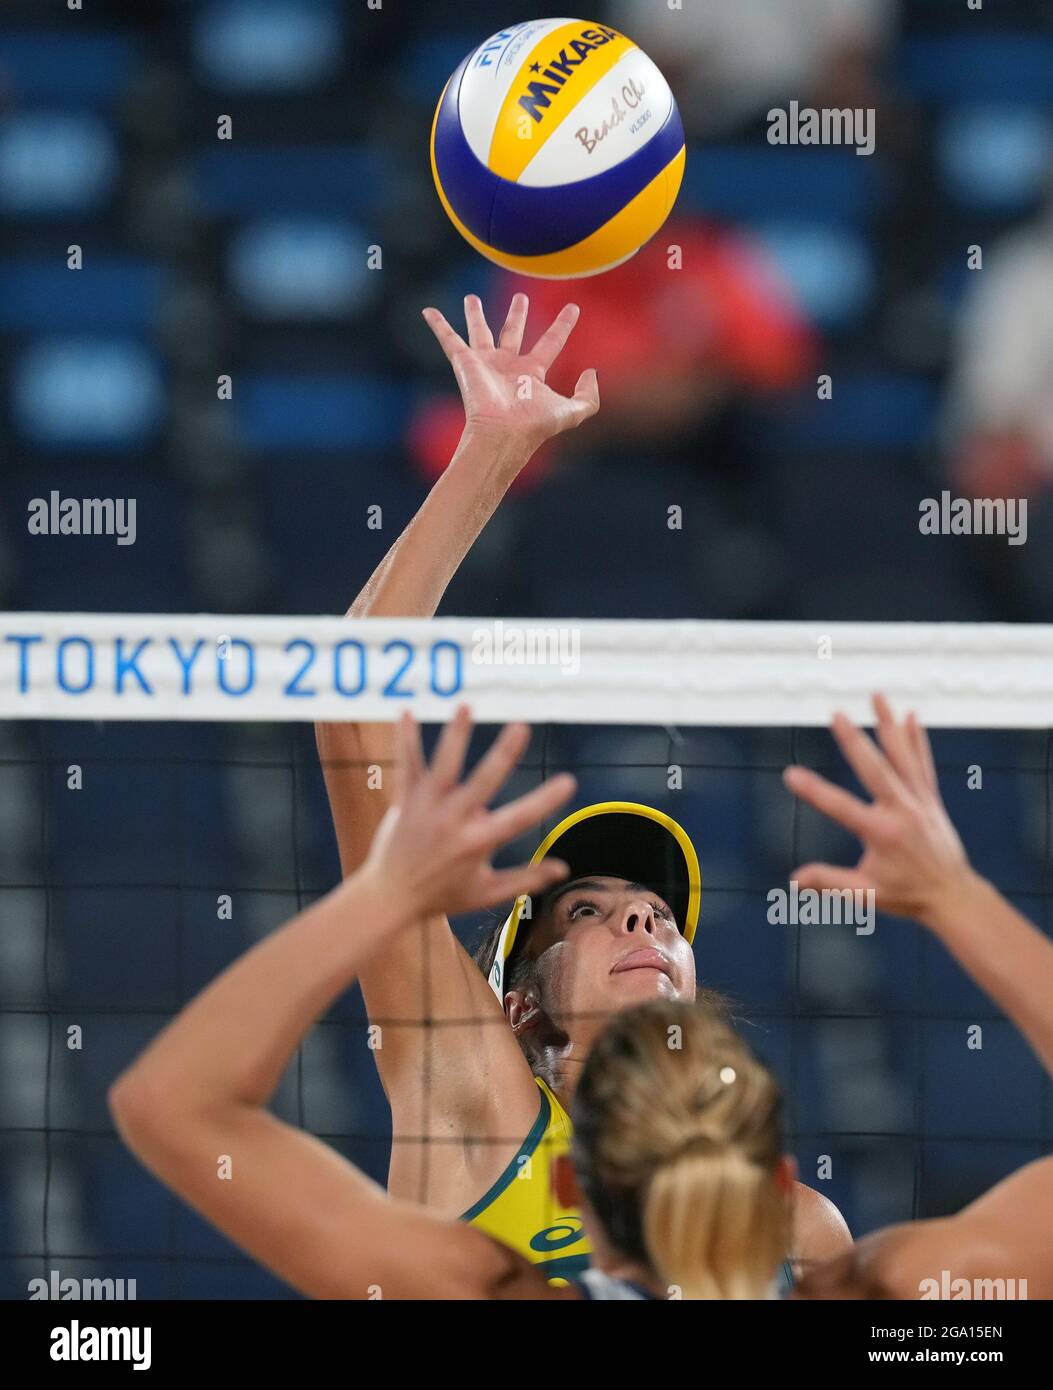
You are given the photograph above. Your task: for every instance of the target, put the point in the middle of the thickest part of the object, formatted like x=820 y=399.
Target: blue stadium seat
x=301 y=268
x=56 y=164
x=830 y=270
x=237 y=180
x=67 y=66
x=1010 y=67
x=87 y=392
x=278 y=414
x=996 y=158
x=94 y=573
x=273 y=46
x=113 y=294
x=758 y=184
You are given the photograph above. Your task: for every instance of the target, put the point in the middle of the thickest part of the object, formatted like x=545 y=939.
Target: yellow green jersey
x=521 y=1209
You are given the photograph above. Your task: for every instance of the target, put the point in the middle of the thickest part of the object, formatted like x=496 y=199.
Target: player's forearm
x=232 y=1043
x=1004 y=953
x=409 y=583
x=412 y=578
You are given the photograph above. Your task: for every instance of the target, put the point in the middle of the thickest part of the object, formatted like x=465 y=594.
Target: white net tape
x=163 y=666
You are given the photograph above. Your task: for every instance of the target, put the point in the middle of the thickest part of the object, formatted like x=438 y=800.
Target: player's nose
x=638 y=919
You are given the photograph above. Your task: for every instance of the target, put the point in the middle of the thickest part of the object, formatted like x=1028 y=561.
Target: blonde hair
x=677 y=1138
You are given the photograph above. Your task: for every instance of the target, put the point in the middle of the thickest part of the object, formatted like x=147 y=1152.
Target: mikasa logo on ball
x=560 y=68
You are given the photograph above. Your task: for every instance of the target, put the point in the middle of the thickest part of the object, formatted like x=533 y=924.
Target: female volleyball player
x=506 y=1092
x=678 y=1163
x=675 y=1118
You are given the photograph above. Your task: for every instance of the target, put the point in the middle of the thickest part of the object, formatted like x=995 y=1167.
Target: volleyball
x=557 y=148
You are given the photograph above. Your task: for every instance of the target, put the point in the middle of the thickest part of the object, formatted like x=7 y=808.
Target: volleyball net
x=162 y=807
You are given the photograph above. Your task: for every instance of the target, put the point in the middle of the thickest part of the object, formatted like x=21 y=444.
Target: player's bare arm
x=917 y=867
x=202 y=1088
x=478 y=1081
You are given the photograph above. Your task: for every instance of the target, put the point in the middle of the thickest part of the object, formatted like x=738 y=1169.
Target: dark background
x=248 y=257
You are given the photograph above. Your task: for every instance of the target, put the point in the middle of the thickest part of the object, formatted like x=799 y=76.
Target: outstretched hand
x=502 y=387
x=912 y=855
x=434 y=845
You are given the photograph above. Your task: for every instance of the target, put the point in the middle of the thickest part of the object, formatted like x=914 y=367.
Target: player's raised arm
x=482 y=1082
x=914 y=861
x=200 y=1091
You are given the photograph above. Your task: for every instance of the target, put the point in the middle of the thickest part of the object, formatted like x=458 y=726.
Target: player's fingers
x=448 y=758
x=515 y=324
x=409 y=758
x=897 y=745
x=865 y=759
x=923 y=749
x=834 y=802
x=530 y=880
x=830 y=876
x=586 y=398
x=526 y=811
x=552 y=342
x=450 y=340
x=479 y=335
x=494 y=768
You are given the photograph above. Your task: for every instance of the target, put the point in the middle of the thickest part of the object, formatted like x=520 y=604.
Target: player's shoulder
x=820 y=1231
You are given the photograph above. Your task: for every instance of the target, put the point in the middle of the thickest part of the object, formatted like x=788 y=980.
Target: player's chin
x=639 y=985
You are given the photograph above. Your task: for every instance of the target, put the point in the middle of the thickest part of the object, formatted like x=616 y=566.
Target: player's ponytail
x=677 y=1141
x=714 y=1224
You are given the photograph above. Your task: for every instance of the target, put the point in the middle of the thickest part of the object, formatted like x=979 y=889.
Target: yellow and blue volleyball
x=557 y=149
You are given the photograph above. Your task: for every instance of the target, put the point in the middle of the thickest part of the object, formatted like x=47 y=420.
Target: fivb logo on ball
x=557 y=148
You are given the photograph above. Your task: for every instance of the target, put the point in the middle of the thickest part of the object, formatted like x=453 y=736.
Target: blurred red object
x=1005 y=465
x=663 y=339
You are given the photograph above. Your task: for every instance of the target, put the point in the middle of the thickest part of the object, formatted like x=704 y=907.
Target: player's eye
x=589 y=907
x=660 y=910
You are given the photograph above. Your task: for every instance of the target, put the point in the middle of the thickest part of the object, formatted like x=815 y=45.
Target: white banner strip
x=163 y=666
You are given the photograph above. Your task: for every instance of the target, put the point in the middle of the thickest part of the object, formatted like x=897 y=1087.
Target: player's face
x=605 y=944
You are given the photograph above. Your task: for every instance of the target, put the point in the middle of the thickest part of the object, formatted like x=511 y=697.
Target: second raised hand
x=912 y=856
x=502 y=387
x=434 y=846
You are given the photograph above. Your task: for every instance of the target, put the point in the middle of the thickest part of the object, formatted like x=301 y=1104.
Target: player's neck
x=562 y=1070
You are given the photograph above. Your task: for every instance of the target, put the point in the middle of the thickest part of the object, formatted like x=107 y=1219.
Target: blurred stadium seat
x=55 y=163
